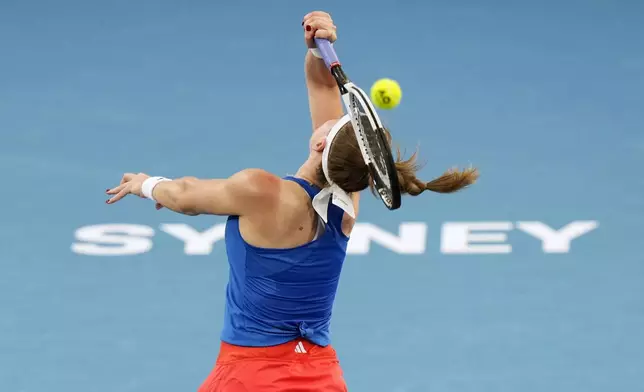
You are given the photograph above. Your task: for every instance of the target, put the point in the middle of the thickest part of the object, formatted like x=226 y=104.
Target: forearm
x=317 y=74
x=172 y=195
x=324 y=96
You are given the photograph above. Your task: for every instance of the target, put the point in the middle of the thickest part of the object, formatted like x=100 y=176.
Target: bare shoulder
x=259 y=186
x=257 y=181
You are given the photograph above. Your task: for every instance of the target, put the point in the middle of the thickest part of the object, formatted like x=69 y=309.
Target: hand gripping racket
x=369 y=130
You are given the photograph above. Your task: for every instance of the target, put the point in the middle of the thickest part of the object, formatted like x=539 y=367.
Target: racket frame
x=349 y=91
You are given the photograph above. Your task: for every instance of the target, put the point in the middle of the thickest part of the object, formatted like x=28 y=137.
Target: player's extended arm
x=243 y=193
x=324 y=96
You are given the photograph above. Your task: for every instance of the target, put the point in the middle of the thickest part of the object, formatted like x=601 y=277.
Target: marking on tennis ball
x=383 y=97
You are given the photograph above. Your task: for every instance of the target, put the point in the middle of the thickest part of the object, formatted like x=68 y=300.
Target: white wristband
x=316 y=52
x=148 y=186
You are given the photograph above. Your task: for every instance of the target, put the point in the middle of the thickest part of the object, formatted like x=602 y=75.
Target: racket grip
x=327 y=52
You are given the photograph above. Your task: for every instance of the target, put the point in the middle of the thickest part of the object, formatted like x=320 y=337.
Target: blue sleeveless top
x=278 y=295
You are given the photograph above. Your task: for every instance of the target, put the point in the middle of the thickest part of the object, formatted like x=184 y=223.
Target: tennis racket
x=369 y=130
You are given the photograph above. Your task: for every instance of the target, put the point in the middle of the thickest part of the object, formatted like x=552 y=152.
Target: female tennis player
x=286 y=241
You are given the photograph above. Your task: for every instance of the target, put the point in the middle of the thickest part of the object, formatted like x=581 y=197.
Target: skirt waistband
x=294 y=350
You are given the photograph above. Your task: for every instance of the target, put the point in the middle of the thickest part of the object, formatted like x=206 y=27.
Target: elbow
x=187 y=209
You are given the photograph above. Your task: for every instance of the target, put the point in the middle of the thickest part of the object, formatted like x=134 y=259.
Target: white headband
x=332 y=192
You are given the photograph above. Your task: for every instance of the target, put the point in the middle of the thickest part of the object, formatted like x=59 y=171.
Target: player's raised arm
x=243 y=193
x=324 y=96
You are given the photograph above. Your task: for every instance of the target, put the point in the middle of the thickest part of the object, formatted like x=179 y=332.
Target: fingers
x=319 y=24
x=127 y=177
x=130 y=183
x=116 y=190
x=121 y=190
x=326 y=34
x=316 y=13
x=119 y=195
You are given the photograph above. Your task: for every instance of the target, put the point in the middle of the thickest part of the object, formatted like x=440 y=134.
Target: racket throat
x=340 y=77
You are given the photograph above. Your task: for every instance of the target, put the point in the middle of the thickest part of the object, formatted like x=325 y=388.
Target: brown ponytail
x=451 y=181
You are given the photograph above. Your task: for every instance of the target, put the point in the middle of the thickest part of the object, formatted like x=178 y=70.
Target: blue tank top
x=278 y=295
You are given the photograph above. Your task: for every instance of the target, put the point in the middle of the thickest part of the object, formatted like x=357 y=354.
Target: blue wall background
x=544 y=97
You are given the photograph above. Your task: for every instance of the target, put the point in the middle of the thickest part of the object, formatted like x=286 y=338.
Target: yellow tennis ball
x=386 y=93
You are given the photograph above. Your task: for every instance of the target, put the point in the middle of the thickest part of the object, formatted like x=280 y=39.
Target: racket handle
x=327 y=52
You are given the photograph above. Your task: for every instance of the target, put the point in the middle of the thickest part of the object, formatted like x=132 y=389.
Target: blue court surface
x=531 y=281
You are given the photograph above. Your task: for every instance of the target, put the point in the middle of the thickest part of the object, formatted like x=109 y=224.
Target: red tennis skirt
x=294 y=366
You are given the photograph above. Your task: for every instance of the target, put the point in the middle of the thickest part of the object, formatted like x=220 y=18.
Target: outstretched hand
x=130 y=184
